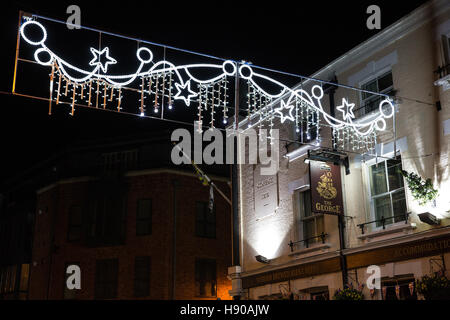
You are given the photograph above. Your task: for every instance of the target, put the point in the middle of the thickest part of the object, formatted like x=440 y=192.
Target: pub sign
x=326 y=188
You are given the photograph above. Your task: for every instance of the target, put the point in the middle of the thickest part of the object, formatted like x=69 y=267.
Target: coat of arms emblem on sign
x=325 y=187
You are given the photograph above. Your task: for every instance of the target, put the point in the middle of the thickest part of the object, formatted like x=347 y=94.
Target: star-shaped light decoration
x=185 y=88
x=283 y=116
x=346 y=109
x=97 y=61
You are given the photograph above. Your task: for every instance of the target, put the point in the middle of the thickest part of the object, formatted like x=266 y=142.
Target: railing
x=383 y=221
x=443 y=71
x=322 y=236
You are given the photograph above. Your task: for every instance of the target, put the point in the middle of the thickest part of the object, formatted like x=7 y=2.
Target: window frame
x=106 y=224
x=70 y=225
x=390 y=222
x=115 y=282
x=140 y=279
x=301 y=218
x=205 y=221
x=402 y=281
x=375 y=76
x=146 y=220
x=208 y=260
x=119 y=161
x=446 y=47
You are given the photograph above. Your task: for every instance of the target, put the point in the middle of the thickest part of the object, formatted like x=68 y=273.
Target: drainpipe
x=343 y=258
x=52 y=234
x=235 y=184
x=172 y=287
x=330 y=90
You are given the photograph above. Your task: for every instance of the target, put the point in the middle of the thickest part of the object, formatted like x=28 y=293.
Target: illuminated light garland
x=314 y=104
x=296 y=105
x=119 y=80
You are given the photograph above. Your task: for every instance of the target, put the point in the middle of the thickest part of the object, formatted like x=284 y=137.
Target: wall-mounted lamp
x=429 y=218
x=262 y=259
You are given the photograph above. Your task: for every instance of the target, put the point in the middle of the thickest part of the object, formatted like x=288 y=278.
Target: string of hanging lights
x=161 y=83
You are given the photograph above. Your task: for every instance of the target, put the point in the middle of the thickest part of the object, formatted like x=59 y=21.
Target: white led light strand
x=313 y=101
x=304 y=109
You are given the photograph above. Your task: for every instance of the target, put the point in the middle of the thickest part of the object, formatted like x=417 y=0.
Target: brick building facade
x=112 y=211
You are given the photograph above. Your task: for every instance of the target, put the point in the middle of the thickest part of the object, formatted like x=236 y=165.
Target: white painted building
x=400 y=61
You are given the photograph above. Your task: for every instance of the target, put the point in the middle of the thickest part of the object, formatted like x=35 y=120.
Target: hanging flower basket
x=434 y=287
x=348 y=294
x=421 y=190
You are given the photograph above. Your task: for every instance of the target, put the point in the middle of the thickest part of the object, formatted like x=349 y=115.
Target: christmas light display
x=161 y=83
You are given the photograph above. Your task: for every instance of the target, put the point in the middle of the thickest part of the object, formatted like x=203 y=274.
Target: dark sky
x=293 y=36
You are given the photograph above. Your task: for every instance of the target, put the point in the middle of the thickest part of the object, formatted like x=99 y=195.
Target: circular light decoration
x=40 y=51
x=139 y=55
x=390 y=107
x=227 y=64
x=317 y=92
x=33 y=23
x=245 y=69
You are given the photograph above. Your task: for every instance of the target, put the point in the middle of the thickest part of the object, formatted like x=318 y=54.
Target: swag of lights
x=160 y=83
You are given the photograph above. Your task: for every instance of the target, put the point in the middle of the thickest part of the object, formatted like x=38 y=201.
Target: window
x=107 y=220
x=2 y=279
x=142 y=267
x=144 y=217
x=387 y=191
x=8 y=279
x=320 y=294
x=24 y=277
x=120 y=161
x=12 y=279
x=75 y=223
x=205 y=221
x=370 y=102
x=205 y=278
x=404 y=292
x=106 y=279
x=444 y=69
x=311 y=224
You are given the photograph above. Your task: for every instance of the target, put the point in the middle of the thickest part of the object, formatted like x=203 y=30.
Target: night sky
x=293 y=36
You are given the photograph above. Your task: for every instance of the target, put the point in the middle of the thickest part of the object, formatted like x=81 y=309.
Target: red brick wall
x=158 y=245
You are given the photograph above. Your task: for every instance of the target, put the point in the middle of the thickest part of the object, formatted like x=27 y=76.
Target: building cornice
x=291 y=263
x=171 y=171
x=376 y=43
x=424 y=235
x=135 y=173
x=391 y=34
x=64 y=181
